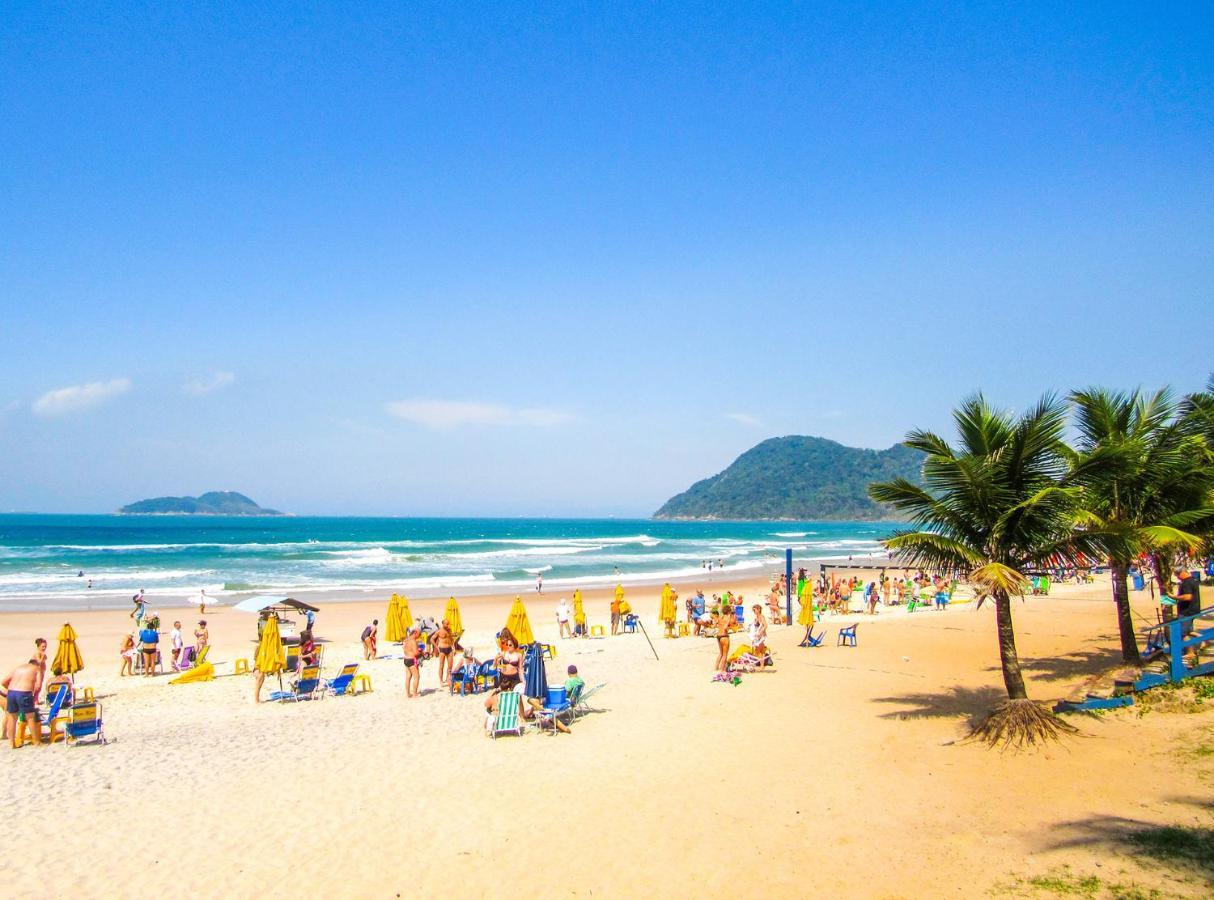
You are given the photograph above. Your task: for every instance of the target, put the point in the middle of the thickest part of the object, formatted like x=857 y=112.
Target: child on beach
x=128 y=653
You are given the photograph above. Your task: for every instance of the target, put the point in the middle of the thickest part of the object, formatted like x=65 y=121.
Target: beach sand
x=838 y=774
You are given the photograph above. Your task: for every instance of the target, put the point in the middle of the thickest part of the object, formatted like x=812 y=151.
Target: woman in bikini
x=509 y=662
x=722 y=623
x=413 y=663
x=444 y=643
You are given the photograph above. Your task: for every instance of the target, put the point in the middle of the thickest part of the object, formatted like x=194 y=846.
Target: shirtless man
x=413 y=661
x=23 y=685
x=444 y=643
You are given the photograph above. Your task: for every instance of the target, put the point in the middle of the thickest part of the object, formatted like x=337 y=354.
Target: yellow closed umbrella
x=406 y=617
x=271 y=658
x=68 y=660
x=806 y=616
x=451 y=614
x=667 y=614
x=518 y=623
x=394 y=630
x=579 y=611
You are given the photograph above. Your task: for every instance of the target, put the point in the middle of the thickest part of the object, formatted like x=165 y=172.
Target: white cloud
x=744 y=419
x=79 y=396
x=217 y=382
x=444 y=414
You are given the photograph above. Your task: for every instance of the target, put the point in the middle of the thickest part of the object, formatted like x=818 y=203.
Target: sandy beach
x=838 y=774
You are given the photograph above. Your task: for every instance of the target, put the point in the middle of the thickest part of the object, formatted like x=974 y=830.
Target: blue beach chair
x=86 y=722
x=305 y=688
x=340 y=686
x=847 y=636
x=810 y=640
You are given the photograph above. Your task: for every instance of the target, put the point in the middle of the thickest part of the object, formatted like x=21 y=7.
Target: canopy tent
x=394 y=624
x=68 y=660
x=518 y=623
x=454 y=620
x=265 y=601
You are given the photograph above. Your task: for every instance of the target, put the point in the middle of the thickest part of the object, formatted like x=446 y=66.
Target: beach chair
x=57 y=696
x=487 y=676
x=465 y=681
x=508 y=719
x=560 y=709
x=86 y=722
x=810 y=640
x=305 y=688
x=847 y=636
x=580 y=705
x=630 y=624
x=340 y=686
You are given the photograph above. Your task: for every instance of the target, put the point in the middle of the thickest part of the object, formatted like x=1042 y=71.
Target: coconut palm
x=1143 y=474
x=994 y=506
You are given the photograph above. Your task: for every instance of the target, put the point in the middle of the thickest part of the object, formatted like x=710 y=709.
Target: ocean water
x=173 y=558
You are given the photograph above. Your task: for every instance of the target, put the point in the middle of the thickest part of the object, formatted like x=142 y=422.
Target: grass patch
x=1188 y=848
x=1063 y=882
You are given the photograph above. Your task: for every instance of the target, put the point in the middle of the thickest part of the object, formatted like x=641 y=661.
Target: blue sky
x=565 y=258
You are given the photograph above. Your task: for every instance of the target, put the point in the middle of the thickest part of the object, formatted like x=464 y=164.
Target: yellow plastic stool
x=242 y=667
x=361 y=684
x=684 y=629
x=88 y=695
x=597 y=631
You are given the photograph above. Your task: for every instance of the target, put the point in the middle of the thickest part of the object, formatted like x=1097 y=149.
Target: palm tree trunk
x=1008 y=658
x=1125 y=623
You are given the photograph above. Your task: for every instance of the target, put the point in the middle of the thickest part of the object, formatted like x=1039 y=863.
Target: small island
x=212 y=503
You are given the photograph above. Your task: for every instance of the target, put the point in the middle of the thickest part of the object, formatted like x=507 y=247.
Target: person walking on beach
x=202 y=637
x=22 y=687
x=369 y=638
x=128 y=654
x=539 y=582
x=413 y=663
x=202 y=602
x=140 y=608
x=178 y=644
x=563 y=613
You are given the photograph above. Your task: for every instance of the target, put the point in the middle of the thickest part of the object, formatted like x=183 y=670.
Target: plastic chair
x=242 y=667
x=598 y=631
x=630 y=624
x=847 y=636
x=811 y=641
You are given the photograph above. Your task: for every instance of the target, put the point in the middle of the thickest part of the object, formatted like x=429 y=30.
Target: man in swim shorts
x=444 y=643
x=23 y=685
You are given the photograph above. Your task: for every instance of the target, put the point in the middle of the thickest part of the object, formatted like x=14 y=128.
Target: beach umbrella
x=579 y=611
x=68 y=660
x=270 y=658
x=806 y=616
x=536 y=682
x=451 y=614
x=667 y=613
x=394 y=625
x=406 y=617
x=518 y=623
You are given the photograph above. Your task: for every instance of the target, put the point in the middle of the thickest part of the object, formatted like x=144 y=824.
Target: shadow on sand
x=950 y=703
x=1071 y=665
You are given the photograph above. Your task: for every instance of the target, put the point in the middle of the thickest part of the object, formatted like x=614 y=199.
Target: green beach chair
x=508 y=720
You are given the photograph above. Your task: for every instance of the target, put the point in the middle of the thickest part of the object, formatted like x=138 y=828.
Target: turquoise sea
x=175 y=557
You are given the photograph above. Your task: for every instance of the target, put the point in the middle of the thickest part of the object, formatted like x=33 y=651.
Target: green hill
x=212 y=503
x=795 y=477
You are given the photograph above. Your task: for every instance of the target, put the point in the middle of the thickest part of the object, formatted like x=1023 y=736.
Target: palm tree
x=1142 y=471
x=994 y=506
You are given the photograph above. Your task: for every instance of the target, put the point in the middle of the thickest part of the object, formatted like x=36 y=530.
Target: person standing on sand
x=444 y=643
x=369 y=638
x=563 y=613
x=413 y=663
x=722 y=624
x=615 y=610
x=539 y=582
x=22 y=687
x=202 y=637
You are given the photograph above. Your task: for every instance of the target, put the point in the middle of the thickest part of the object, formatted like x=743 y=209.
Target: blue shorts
x=23 y=702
